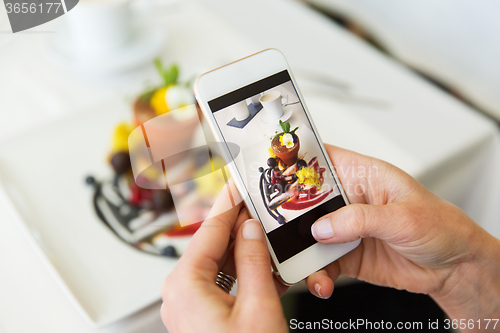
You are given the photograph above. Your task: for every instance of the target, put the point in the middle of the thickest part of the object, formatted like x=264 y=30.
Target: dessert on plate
x=290 y=182
x=139 y=209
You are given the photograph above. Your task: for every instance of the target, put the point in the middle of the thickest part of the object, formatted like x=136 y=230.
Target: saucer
x=287 y=113
x=145 y=43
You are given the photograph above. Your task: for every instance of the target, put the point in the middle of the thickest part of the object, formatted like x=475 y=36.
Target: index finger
x=210 y=242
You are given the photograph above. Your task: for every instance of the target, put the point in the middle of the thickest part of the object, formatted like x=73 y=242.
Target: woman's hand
x=192 y=302
x=412 y=239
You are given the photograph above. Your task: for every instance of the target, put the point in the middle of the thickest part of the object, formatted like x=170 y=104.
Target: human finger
x=209 y=244
x=253 y=263
x=351 y=222
x=320 y=283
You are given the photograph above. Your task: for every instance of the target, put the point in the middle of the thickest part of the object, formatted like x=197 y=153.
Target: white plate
x=42 y=173
x=287 y=113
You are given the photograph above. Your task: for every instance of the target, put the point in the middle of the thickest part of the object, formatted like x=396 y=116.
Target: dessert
x=141 y=211
x=290 y=182
x=286 y=144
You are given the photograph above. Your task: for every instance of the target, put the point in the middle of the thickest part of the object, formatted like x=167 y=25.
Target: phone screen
x=280 y=160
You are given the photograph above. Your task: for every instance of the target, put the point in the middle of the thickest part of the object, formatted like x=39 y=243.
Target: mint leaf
x=293 y=132
x=159 y=66
x=285 y=126
x=170 y=75
x=162 y=71
x=282 y=124
x=174 y=73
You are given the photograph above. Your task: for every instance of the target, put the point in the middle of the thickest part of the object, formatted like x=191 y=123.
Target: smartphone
x=279 y=165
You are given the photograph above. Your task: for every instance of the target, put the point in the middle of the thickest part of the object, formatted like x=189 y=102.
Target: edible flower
x=159 y=101
x=287 y=140
x=170 y=98
x=120 y=137
x=285 y=126
x=309 y=177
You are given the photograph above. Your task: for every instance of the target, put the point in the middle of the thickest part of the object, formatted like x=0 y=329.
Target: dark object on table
x=253 y=108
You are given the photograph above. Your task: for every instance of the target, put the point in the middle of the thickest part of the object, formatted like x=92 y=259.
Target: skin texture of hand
x=192 y=302
x=412 y=240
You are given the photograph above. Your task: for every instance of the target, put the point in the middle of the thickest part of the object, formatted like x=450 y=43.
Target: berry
x=271 y=162
x=90 y=180
x=121 y=162
x=261 y=169
x=169 y=251
x=301 y=164
x=135 y=195
x=281 y=219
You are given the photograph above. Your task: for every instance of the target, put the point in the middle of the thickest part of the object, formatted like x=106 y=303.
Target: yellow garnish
x=309 y=177
x=208 y=182
x=159 y=101
x=271 y=152
x=120 y=137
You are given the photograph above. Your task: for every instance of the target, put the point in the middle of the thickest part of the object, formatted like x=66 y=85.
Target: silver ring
x=225 y=281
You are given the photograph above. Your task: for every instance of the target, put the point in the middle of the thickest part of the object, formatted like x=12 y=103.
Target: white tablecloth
x=394 y=115
x=455 y=41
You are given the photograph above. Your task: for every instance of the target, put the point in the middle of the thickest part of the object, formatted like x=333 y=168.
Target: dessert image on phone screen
x=281 y=163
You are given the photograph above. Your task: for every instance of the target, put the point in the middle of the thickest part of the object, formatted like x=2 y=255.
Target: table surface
x=454 y=41
x=387 y=112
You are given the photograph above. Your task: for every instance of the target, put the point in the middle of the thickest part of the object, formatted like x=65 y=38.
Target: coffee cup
x=240 y=111
x=100 y=27
x=273 y=102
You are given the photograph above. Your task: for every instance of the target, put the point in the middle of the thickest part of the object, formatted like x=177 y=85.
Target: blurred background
x=86 y=237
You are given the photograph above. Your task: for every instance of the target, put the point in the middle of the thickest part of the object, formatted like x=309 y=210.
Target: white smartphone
x=276 y=158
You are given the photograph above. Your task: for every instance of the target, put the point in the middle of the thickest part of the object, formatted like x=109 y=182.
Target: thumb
x=253 y=265
x=351 y=222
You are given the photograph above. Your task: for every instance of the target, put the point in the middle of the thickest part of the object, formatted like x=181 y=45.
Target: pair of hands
x=412 y=240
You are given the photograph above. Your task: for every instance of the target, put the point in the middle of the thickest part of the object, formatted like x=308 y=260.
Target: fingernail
x=252 y=230
x=317 y=287
x=322 y=229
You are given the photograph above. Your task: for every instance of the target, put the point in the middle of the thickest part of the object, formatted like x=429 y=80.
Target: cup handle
x=284 y=100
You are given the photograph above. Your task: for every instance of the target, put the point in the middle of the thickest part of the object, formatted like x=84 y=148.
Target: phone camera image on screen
x=281 y=163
